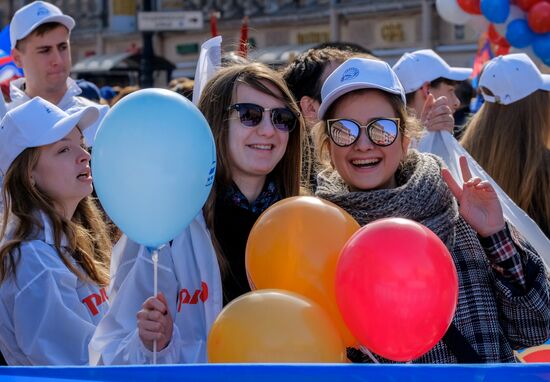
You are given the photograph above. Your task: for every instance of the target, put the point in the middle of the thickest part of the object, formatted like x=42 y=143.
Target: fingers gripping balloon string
x=155 y=258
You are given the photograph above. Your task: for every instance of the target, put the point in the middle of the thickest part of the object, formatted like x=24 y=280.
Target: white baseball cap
x=358 y=73
x=32 y=15
x=37 y=123
x=416 y=68
x=511 y=78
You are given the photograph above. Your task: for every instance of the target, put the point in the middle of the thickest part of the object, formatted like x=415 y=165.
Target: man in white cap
x=429 y=84
x=40 y=43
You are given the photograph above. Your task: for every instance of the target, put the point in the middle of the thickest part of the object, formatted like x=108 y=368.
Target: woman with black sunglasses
x=258 y=131
x=363 y=142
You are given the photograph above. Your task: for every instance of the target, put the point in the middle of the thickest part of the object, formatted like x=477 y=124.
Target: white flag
x=3 y=109
x=210 y=61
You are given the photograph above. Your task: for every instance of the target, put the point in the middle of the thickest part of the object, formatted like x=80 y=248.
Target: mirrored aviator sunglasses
x=251 y=115
x=381 y=131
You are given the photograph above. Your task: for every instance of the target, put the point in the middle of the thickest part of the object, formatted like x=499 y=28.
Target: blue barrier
x=286 y=373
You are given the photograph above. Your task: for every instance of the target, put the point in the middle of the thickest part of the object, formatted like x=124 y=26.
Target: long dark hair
x=216 y=98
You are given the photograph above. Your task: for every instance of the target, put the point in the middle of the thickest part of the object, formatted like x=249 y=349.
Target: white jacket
x=189 y=277
x=47 y=315
x=70 y=103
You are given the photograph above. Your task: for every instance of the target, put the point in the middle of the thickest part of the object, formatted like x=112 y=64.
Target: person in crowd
x=344 y=46
x=40 y=42
x=504 y=297
x=108 y=93
x=257 y=130
x=54 y=253
x=304 y=77
x=123 y=92
x=465 y=93
x=90 y=91
x=510 y=135
x=183 y=86
x=430 y=85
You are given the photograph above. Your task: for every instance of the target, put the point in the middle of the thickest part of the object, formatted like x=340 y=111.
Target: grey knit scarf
x=421 y=195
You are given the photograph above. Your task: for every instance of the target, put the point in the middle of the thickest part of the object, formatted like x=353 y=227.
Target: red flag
x=243 y=46
x=214 y=24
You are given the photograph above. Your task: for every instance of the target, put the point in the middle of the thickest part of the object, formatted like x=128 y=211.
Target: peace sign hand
x=478 y=201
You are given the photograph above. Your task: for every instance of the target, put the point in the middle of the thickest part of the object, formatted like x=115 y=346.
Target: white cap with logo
x=416 y=68
x=32 y=15
x=355 y=74
x=511 y=78
x=37 y=123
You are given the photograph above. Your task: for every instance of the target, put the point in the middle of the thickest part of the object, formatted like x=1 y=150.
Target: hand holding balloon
x=155 y=323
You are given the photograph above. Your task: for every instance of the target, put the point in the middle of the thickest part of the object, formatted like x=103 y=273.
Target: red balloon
x=538 y=17
x=397 y=288
x=495 y=37
x=526 y=4
x=470 y=6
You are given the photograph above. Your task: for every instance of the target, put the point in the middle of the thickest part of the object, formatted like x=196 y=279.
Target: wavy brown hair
x=86 y=233
x=509 y=142
x=217 y=96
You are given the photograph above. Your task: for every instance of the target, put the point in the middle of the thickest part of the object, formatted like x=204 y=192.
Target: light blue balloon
x=153 y=164
x=496 y=11
x=518 y=34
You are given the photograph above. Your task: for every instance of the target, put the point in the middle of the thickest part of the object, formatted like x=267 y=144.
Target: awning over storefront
x=118 y=62
x=106 y=67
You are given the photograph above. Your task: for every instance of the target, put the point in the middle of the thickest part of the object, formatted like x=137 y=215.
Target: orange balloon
x=295 y=245
x=274 y=326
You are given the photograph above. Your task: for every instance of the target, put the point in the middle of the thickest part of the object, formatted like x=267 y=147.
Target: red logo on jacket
x=94 y=300
x=184 y=297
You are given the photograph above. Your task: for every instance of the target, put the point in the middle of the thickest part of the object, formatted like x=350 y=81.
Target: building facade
x=277 y=28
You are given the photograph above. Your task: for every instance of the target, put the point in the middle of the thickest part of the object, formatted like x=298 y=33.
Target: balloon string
x=367 y=352
x=155 y=258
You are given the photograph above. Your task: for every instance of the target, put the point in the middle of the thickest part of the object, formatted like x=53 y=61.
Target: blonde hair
x=509 y=142
x=408 y=127
x=217 y=97
x=86 y=232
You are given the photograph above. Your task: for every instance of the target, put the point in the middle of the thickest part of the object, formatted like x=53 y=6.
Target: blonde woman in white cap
x=55 y=250
x=510 y=135
x=504 y=300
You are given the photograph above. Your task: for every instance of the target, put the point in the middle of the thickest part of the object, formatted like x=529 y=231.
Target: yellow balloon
x=274 y=326
x=295 y=245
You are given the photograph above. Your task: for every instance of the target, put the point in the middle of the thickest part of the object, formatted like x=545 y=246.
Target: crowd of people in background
x=336 y=123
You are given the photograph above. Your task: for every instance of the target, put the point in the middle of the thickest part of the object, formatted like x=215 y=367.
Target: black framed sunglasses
x=381 y=131
x=251 y=115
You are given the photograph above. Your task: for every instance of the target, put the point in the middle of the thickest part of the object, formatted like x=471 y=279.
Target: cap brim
x=459 y=74
x=84 y=118
x=65 y=20
x=337 y=93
